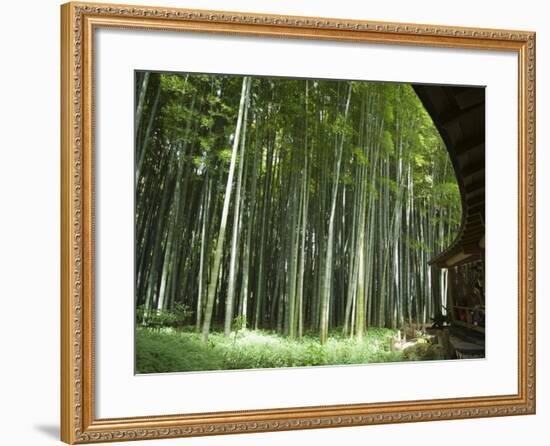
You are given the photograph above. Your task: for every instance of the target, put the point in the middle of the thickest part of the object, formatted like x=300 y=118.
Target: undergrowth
x=171 y=350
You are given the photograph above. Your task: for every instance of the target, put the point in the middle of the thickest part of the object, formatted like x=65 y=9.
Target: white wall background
x=29 y=219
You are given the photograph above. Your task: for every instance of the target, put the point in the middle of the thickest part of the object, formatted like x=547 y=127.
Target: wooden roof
x=459 y=115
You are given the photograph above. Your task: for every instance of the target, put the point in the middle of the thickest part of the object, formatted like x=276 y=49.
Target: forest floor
x=169 y=350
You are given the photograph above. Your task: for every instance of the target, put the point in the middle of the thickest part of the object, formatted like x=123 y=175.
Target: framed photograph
x=275 y=223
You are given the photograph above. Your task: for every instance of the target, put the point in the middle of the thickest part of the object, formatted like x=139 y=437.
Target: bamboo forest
x=283 y=222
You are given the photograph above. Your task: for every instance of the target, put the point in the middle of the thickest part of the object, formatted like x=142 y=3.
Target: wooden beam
x=475 y=186
x=466 y=96
x=455 y=259
x=475 y=200
x=466 y=258
x=470 y=326
x=470 y=144
x=473 y=168
x=473 y=240
x=472 y=248
x=473 y=235
x=478 y=210
x=473 y=230
x=473 y=218
x=451 y=294
x=452 y=116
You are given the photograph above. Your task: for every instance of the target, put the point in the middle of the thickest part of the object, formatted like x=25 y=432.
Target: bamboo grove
x=292 y=205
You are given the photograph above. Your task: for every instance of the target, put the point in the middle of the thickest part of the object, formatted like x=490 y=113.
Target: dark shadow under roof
x=459 y=115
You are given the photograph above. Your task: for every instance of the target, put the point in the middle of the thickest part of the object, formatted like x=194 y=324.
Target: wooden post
x=451 y=290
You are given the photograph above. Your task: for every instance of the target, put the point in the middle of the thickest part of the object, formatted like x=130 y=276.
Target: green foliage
x=359 y=155
x=178 y=316
x=238 y=323
x=395 y=183
x=225 y=155
x=387 y=142
x=388 y=114
x=169 y=350
x=182 y=314
x=207 y=142
x=154 y=318
x=206 y=121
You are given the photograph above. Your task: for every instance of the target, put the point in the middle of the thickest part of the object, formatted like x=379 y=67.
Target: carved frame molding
x=78 y=424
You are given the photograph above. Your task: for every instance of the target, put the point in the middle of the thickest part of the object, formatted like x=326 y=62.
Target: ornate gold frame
x=78 y=423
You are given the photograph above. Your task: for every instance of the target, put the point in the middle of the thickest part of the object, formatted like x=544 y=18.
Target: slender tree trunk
x=204 y=243
x=230 y=302
x=142 y=147
x=141 y=101
x=251 y=215
x=225 y=212
x=330 y=239
x=303 y=234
